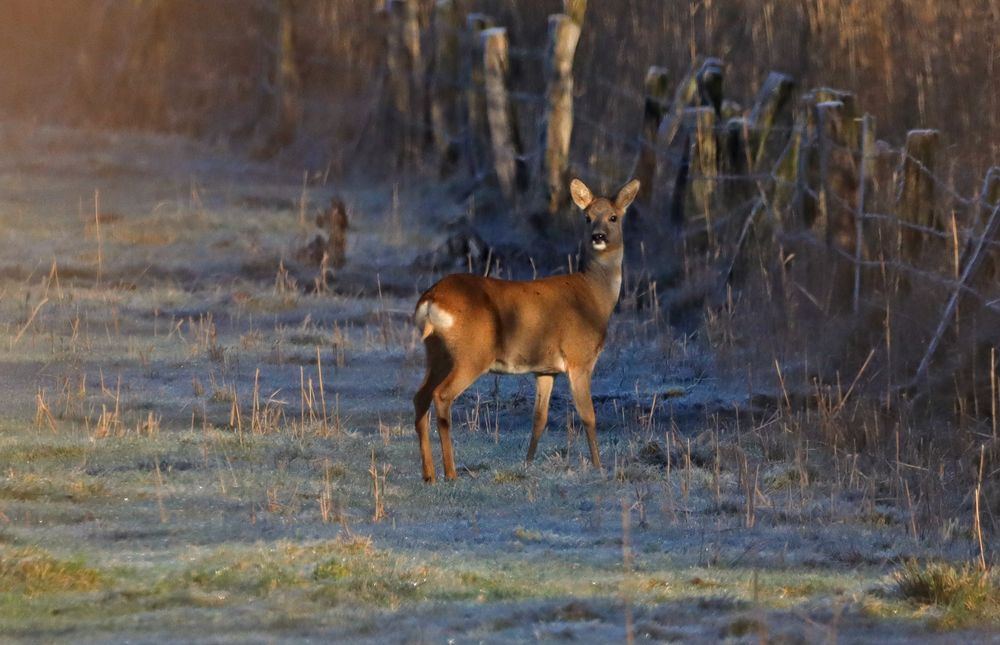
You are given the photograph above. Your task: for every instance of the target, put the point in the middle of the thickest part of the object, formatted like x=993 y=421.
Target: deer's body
x=472 y=325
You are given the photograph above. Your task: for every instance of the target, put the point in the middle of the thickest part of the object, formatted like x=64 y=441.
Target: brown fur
x=473 y=325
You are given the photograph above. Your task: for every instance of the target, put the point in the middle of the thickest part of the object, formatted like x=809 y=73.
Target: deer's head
x=604 y=216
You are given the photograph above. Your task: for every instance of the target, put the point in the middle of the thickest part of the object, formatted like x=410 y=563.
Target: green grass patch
x=28 y=453
x=32 y=571
x=26 y=487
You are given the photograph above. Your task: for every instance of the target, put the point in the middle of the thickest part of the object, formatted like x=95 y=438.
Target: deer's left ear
x=626 y=195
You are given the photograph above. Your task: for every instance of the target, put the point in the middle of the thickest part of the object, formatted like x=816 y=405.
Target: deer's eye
x=613 y=218
x=588 y=218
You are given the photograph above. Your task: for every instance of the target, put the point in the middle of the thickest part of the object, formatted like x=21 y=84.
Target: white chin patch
x=599 y=246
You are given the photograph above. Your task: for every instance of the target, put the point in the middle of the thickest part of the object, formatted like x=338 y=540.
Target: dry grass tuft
x=964 y=592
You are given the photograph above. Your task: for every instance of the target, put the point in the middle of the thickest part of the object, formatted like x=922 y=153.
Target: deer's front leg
x=543 y=391
x=579 y=385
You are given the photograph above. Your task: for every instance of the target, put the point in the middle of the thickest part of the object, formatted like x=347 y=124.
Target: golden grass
x=33 y=571
x=963 y=592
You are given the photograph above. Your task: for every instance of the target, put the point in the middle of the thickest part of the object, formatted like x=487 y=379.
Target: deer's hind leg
x=457 y=381
x=437 y=369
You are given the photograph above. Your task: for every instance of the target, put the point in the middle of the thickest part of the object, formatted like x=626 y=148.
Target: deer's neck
x=604 y=275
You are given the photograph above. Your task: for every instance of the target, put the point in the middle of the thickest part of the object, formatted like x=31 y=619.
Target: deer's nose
x=597 y=238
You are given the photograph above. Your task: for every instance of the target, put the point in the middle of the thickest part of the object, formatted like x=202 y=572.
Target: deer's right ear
x=582 y=196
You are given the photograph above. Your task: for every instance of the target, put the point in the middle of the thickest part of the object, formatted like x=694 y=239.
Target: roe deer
x=472 y=325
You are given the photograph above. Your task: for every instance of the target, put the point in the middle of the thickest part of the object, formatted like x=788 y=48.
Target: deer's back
x=526 y=324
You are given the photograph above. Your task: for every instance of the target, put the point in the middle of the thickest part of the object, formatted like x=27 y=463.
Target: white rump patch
x=420 y=315
x=431 y=316
x=439 y=317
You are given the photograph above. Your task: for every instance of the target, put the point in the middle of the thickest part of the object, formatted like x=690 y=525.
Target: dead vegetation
x=206 y=411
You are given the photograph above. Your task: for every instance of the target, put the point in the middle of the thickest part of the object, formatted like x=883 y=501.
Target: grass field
x=198 y=445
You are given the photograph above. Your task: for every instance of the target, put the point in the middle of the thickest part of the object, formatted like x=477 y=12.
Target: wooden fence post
x=770 y=111
x=557 y=125
x=674 y=140
x=809 y=176
x=575 y=9
x=869 y=151
x=447 y=25
x=476 y=127
x=684 y=96
x=838 y=142
x=822 y=94
x=657 y=91
x=786 y=178
x=915 y=190
x=499 y=111
x=769 y=213
x=709 y=80
x=704 y=165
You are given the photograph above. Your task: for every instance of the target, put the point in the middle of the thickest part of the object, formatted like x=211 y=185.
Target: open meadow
x=200 y=441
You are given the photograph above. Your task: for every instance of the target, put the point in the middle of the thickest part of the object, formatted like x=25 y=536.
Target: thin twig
x=31 y=319
x=967 y=272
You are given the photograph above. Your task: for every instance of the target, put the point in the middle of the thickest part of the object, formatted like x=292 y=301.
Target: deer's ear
x=626 y=195
x=582 y=196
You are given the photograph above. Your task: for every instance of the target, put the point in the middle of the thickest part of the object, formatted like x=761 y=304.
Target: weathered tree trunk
x=142 y=79
x=447 y=25
x=284 y=89
x=406 y=79
x=411 y=35
x=657 y=92
x=476 y=126
x=499 y=111
x=400 y=104
x=289 y=85
x=557 y=126
x=915 y=196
